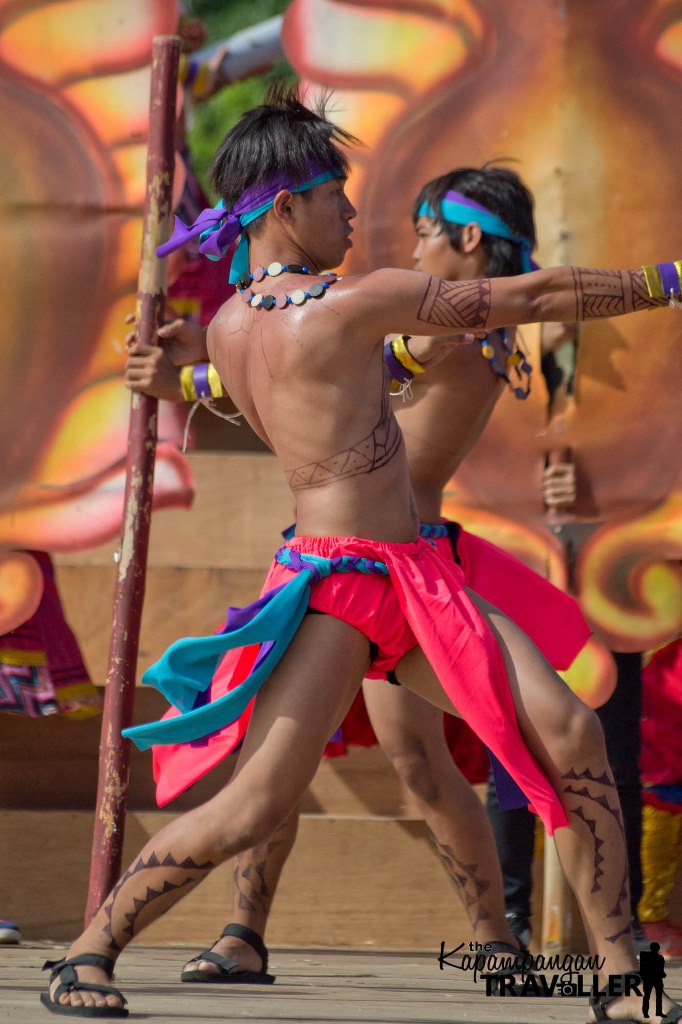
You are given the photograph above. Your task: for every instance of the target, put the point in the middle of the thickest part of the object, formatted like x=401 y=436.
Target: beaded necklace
x=297 y=298
x=515 y=361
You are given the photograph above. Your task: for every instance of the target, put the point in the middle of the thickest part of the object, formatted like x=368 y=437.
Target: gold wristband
x=401 y=352
x=653 y=282
x=214 y=382
x=187 y=384
x=664 y=280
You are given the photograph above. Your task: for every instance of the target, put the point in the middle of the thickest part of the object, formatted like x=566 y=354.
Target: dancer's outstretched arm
x=417 y=303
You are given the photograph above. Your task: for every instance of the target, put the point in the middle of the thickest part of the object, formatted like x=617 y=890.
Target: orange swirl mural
x=584 y=97
x=74 y=95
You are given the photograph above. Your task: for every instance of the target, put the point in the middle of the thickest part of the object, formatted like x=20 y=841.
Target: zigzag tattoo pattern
x=579 y=811
x=253 y=878
x=366 y=456
x=604 y=779
x=604 y=293
x=455 y=303
x=463 y=875
x=151 y=894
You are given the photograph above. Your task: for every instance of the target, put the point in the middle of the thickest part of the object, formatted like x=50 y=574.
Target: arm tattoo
x=455 y=303
x=605 y=293
x=372 y=452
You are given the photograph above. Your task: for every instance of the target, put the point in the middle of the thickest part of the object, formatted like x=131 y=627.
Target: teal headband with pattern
x=458 y=209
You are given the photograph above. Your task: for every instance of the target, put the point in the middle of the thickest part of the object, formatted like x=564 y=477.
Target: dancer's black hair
x=502 y=192
x=282 y=136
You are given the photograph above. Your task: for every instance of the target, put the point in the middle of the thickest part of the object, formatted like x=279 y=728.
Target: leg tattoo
x=158 y=878
x=588 y=795
x=251 y=882
x=471 y=888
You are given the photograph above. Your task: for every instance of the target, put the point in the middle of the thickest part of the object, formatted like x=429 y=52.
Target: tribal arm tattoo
x=575 y=294
x=455 y=303
x=606 y=293
x=372 y=452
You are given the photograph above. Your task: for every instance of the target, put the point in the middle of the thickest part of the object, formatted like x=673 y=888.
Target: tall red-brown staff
x=114 y=751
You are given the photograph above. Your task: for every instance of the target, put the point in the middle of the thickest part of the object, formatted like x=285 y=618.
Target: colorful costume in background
x=41 y=666
x=661 y=764
x=201 y=287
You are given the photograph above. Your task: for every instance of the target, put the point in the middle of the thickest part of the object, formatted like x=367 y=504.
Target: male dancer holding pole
x=304 y=347
x=470 y=223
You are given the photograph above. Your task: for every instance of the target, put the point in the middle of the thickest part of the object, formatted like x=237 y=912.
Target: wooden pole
x=114 y=751
x=556 y=896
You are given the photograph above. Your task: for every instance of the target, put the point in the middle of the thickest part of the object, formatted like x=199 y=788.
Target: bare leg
x=566 y=739
x=256 y=874
x=293 y=712
x=410 y=732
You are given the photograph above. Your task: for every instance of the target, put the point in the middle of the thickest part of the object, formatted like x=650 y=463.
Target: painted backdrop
x=74 y=96
x=584 y=96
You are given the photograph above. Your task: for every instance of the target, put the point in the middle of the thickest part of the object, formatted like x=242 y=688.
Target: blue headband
x=458 y=209
x=218 y=228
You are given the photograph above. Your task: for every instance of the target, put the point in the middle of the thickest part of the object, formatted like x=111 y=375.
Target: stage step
x=350 y=881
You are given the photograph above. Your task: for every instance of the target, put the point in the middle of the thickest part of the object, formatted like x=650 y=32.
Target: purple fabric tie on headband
x=250 y=201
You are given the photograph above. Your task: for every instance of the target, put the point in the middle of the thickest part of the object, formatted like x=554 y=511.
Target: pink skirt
x=422 y=602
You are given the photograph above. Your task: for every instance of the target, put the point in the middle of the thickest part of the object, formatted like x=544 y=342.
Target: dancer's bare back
x=310 y=379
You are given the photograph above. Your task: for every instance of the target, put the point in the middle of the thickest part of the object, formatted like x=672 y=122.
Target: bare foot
x=246 y=957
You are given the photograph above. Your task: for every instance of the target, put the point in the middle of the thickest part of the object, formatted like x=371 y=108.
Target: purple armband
x=396 y=368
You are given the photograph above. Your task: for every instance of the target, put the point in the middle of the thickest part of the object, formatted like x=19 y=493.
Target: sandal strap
x=84 y=960
x=240 y=931
x=64 y=970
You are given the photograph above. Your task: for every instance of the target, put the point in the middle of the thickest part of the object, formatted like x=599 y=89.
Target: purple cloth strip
x=457 y=197
x=207 y=219
x=669 y=279
x=251 y=199
x=238 y=617
x=510 y=796
x=297 y=564
x=395 y=367
x=200 y=380
x=192 y=72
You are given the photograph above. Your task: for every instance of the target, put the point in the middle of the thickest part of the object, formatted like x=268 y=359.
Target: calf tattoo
x=160 y=878
x=471 y=888
x=455 y=303
x=589 y=806
x=251 y=881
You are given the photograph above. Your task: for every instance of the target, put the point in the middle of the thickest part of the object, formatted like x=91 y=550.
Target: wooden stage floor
x=316 y=986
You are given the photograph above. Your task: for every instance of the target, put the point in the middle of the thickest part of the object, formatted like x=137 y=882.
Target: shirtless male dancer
x=291 y=356
x=447 y=411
